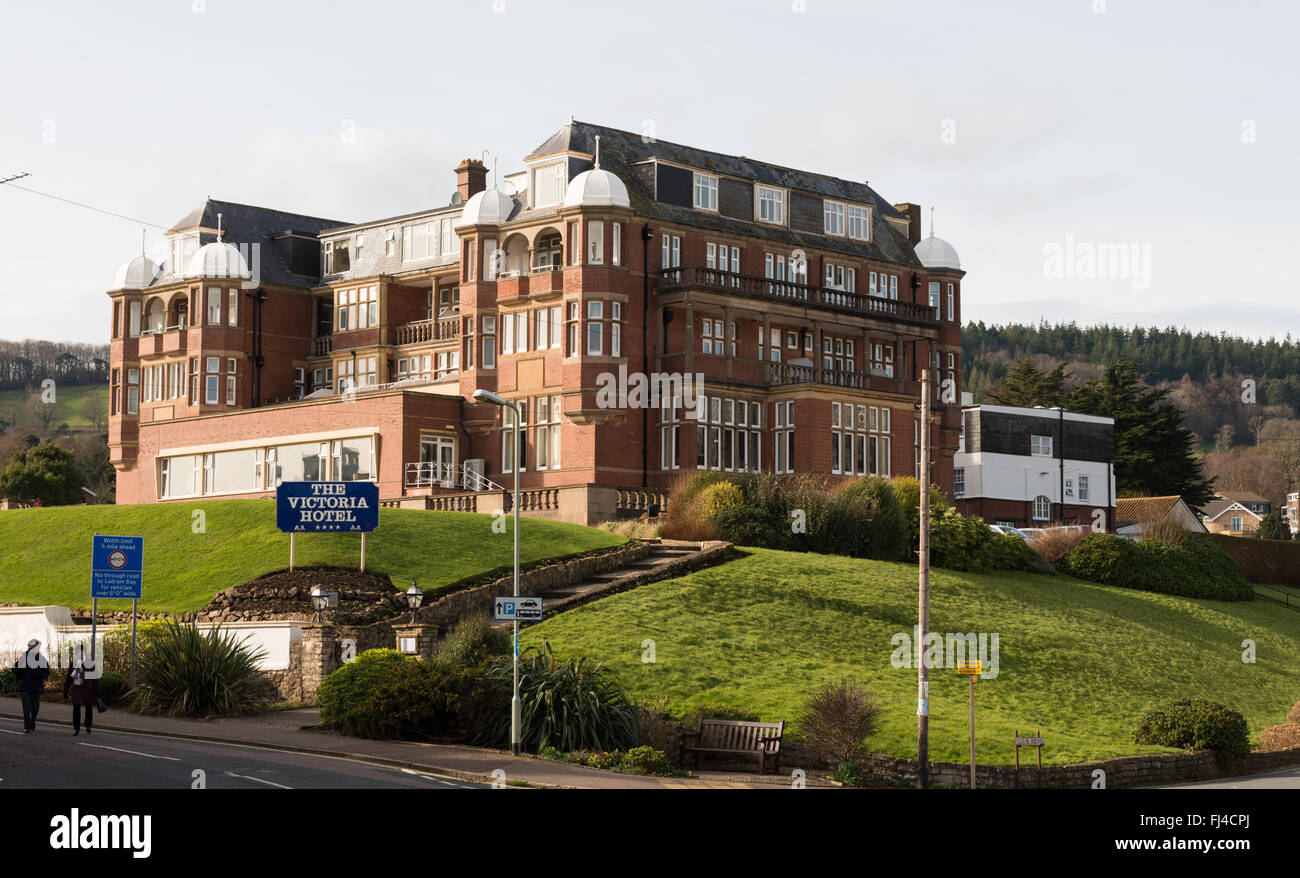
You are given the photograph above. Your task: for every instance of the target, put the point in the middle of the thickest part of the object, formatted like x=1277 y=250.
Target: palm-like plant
x=569 y=704
x=186 y=672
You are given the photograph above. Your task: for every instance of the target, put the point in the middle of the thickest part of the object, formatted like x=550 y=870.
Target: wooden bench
x=732 y=738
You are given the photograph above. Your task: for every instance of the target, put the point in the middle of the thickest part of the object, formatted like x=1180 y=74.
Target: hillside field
x=1082 y=662
x=46 y=556
x=69 y=401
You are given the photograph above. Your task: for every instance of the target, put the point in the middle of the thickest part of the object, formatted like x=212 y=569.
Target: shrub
x=685 y=519
x=908 y=491
x=570 y=704
x=1054 y=544
x=471 y=642
x=115 y=648
x=887 y=538
x=848 y=773
x=188 y=673
x=1197 y=569
x=959 y=542
x=658 y=728
x=1165 y=531
x=1197 y=724
x=1008 y=552
x=719 y=498
x=113 y=687
x=8 y=682
x=837 y=720
x=646 y=760
x=381 y=694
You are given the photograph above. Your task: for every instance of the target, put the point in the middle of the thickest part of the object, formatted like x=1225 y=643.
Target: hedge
x=1274 y=562
x=1197 y=569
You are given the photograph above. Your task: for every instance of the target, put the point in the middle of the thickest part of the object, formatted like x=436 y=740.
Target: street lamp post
x=490 y=397
x=320 y=599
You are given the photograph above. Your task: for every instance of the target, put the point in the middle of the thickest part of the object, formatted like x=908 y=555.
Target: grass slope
x=69 y=401
x=46 y=557
x=1081 y=662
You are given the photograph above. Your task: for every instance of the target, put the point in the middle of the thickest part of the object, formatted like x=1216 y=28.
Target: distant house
x=1291 y=512
x=1133 y=515
x=1235 y=513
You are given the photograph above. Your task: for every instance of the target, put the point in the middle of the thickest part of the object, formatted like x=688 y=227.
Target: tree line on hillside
x=30 y=361
x=1163 y=355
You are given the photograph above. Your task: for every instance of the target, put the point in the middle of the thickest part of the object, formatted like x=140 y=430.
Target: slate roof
x=621 y=150
x=1218 y=506
x=246 y=224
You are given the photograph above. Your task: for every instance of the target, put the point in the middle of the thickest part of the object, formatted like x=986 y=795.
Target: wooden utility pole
x=923 y=673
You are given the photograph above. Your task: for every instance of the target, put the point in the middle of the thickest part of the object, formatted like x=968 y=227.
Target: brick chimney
x=913 y=214
x=471 y=178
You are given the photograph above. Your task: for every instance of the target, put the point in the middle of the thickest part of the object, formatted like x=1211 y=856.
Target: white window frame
x=860 y=217
x=776 y=197
x=834 y=218
x=1040 y=446
x=704 y=192
x=1042 y=508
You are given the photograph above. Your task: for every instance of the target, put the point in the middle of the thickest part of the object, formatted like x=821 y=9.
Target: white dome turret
x=217 y=260
x=490 y=207
x=136 y=274
x=596 y=188
x=937 y=253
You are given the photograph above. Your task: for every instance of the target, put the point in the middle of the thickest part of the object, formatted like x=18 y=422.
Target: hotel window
x=418 y=241
x=595 y=242
x=783 y=435
x=671 y=255
x=706 y=192
x=214 y=306
x=951 y=314
x=882 y=360
x=1042 y=508
x=542 y=334
x=548 y=185
x=546 y=441
x=232 y=372
x=1040 y=446
x=446 y=234
x=232 y=307
x=575 y=330
x=336 y=257
x=508 y=334
x=366 y=371
x=833 y=214
x=390 y=243
x=616 y=329
x=871 y=284
x=860 y=223
x=557 y=327
x=893 y=286
x=706 y=336
x=616 y=230
x=595 y=312
x=521 y=332
x=959 y=482
x=194 y=380
x=359 y=247
x=492 y=259
x=669 y=432
x=132 y=391
x=934 y=299
x=489 y=341
x=839 y=277
x=507 y=434
x=212 y=380
x=1083 y=488
x=771 y=205
x=115 y=392
x=469 y=260
x=575 y=244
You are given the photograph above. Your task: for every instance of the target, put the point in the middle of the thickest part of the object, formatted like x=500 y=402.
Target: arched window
x=1042 y=508
x=155 y=316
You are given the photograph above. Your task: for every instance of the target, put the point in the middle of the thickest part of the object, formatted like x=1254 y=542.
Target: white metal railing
x=472 y=480
x=429 y=473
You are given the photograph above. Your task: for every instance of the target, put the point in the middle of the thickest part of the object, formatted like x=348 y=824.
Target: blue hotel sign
x=313 y=507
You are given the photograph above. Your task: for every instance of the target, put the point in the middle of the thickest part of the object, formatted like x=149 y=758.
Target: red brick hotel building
x=272 y=346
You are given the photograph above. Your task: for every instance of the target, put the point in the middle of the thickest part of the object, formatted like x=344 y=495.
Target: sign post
x=116 y=571
x=1036 y=742
x=517 y=609
x=326 y=507
x=971 y=670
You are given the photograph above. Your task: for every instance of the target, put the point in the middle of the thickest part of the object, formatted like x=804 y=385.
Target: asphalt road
x=1287 y=779
x=52 y=758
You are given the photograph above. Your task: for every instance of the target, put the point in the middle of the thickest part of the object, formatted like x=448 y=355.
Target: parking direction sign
x=517 y=609
x=117 y=567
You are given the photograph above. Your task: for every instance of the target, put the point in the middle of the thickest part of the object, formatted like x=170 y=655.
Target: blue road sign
x=520 y=609
x=116 y=567
x=342 y=507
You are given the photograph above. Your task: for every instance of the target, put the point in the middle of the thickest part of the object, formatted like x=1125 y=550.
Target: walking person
x=31 y=669
x=83 y=683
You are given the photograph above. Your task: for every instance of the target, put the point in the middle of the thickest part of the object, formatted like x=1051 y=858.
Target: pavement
x=281 y=742
x=1286 y=779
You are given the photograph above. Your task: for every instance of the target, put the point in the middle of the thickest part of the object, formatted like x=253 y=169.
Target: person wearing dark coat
x=31 y=669
x=83 y=684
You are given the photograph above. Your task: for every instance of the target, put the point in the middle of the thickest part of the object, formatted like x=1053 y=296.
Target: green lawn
x=69 y=401
x=46 y=556
x=1081 y=662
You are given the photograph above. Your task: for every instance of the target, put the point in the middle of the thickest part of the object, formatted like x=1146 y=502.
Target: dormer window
x=771 y=205
x=859 y=219
x=337 y=257
x=833 y=213
x=548 y=185
x=183 y=247
x=705 y=192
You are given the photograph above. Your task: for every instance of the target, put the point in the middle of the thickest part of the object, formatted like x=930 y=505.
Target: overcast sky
x=1040 y=131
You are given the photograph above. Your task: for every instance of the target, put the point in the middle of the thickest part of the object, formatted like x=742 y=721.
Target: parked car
x=1007 y=529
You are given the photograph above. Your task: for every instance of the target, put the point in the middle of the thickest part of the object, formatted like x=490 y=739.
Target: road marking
x=431 y=777
x=132 y=752
x=7 y=732
x=269 y=783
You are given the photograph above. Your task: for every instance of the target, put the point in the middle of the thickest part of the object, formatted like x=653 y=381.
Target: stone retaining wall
x=1127 y=771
